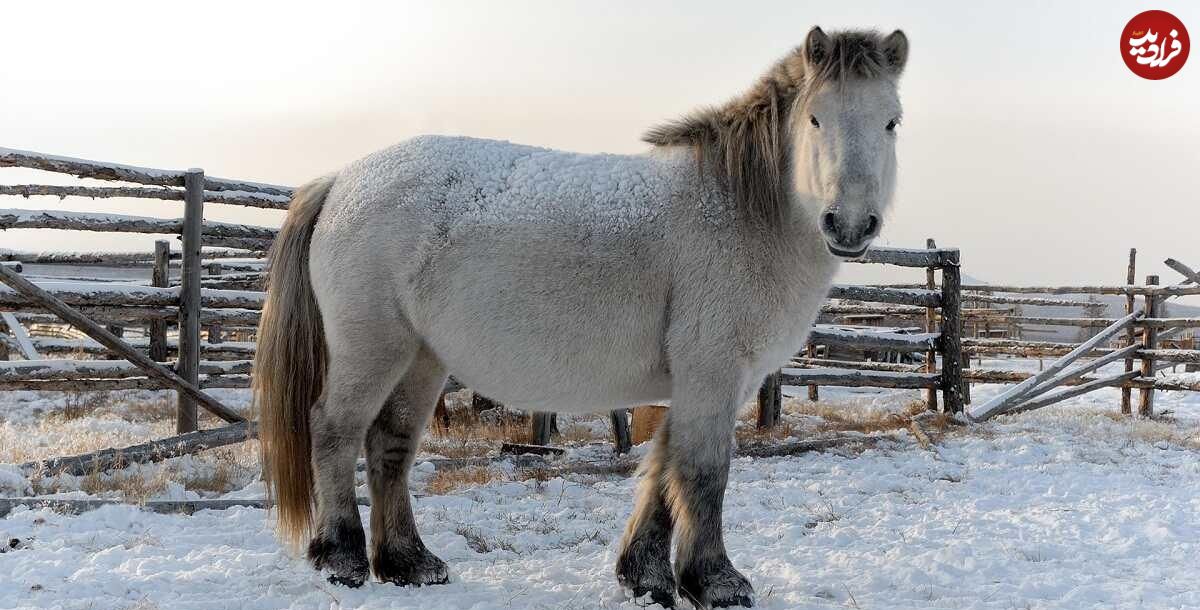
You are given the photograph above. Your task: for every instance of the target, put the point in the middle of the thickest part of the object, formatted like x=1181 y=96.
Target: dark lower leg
x=644 y=565
x=696 y=475
x=339 y=544
x=398 y=554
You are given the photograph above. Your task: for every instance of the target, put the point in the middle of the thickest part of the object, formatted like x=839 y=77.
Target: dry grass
x=447 y=480
x=803 y=419
x=220 y=480
x=468 y=435
x=133 y=487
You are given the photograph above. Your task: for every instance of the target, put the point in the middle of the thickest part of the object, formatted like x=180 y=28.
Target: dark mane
x=747 y=140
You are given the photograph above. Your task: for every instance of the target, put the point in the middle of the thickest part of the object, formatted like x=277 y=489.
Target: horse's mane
x=746 y=140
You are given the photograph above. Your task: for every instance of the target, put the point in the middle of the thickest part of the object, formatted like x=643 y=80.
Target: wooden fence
x=218 y=298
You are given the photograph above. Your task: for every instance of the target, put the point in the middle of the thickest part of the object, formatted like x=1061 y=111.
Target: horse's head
x=843 y=129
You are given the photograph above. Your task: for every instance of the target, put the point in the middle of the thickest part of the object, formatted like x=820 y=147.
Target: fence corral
x=206 y=318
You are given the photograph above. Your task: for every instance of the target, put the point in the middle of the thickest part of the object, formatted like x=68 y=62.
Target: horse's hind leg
x=644 y=565
x=365 y=364
x=398 y=555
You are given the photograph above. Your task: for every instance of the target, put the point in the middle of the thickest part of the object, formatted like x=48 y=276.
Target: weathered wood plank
x=27 y=370
x=122 y=223
x=883 y=340
x=1130 y=289
x=187 y=417
x=1079 y=390
x=955 y=393
x=857 y=378
x=807 y=362
x=1080 y=371
x=153 y=451
x=908 y=257
x=127 y=383
x=165 y=507
x=100 y=334
x=1010 y=300
x=120 y=294
x=20 y=336
x=1006 y=399
x=1149 y=341
x=920 y=297
x=102 y=170
x=622 y=438
x=254 y=200
x=160 y=277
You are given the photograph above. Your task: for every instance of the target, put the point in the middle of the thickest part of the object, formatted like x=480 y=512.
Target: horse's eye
x=891 y=126
x=812 y=119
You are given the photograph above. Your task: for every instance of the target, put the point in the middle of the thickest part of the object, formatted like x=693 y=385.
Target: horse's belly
x=554 y=374
x=552 y=337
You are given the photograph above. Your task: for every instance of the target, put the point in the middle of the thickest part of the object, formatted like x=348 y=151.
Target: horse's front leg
x=644 y=566
x=699 y=447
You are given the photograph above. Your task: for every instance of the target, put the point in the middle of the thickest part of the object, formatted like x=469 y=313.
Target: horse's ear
x=693 y=129
x=895 y=51
x=817 y=46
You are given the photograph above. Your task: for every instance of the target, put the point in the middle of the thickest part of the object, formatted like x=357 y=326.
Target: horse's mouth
x=836 y=251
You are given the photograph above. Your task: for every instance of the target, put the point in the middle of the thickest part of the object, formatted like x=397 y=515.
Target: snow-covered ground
x=1068 y=507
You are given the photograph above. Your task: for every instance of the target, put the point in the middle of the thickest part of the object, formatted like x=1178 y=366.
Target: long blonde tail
x=289 y=366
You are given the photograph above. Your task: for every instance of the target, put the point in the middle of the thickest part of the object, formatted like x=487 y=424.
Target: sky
x=1026 y=141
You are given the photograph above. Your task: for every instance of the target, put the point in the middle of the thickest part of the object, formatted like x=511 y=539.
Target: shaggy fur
x=556 y=281
x=747 y=140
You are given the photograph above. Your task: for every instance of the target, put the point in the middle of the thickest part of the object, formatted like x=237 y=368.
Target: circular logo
x=1155 y=45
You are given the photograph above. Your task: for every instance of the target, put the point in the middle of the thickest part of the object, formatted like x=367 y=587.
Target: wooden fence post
x=1130 y=278
x=953 y=385
x=770 y=401
x=1149 y=342
x=542 y=422
x=813 y=393
x=186 y=419
x=160 y=276
x=931 y=400
x=620 y=422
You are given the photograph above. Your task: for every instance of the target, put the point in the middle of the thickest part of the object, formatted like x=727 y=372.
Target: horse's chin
x=836 y=251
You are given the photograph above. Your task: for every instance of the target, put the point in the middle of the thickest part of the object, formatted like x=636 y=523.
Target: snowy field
x=1069 y=507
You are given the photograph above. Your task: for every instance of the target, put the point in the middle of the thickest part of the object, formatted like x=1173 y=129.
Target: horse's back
x=529 y=272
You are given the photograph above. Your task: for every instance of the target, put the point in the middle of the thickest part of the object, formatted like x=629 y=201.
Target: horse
x=557 y=281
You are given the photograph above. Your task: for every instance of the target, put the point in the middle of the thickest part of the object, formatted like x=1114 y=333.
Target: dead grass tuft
x=447 y=480
x=133 y=487
x=220 y=480
x=470 y=435
x=480 y=543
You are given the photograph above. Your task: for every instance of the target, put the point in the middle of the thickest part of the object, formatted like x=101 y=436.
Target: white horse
x=567 y=282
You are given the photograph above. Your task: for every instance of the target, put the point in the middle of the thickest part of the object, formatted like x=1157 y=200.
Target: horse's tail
x=289 y=365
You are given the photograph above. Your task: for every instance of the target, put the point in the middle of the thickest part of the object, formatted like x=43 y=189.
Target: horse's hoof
x=642 y=574
x=717 y=587
x=411 y=568
x=662 y=597
x=341 y=556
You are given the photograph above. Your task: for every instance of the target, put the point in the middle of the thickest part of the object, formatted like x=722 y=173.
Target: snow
x=1067 y=507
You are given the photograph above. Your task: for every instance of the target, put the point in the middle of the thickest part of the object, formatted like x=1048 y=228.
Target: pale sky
x=1026 y=142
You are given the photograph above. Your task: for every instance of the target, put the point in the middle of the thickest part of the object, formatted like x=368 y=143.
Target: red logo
x=1155 y=45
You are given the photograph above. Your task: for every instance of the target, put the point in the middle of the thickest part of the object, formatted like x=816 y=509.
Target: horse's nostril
x=829 y=222
x=872 y=224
